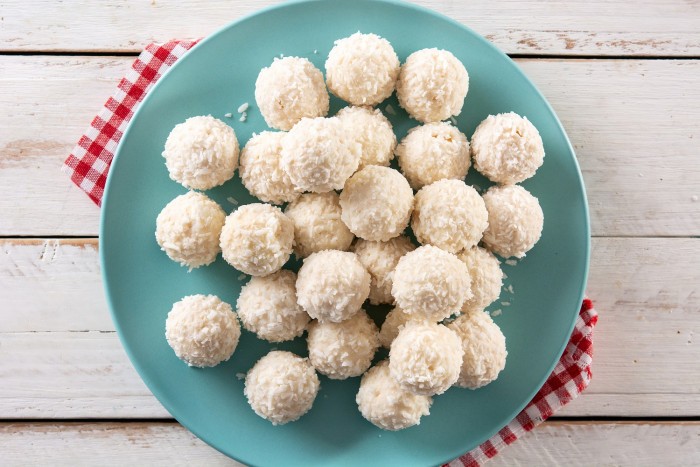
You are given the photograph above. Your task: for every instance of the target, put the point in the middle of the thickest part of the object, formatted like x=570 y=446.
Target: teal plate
x=142 y=283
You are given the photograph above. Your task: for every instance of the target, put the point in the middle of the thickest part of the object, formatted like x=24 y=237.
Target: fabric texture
x=89 y=163
x=569 y=378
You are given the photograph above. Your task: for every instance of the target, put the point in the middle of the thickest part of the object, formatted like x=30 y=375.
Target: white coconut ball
x=343 y=350
x=318 y=155
x=507 y=148
x=332 y=285
x=380 y=260
x=425 y=358
x=373 y=131
x=450 y=215
x=515 y=220
x=431 y=283
x=268 y=307
x=281 y=387
x=431 y=152
x=317 y=224
x=261 y=169
x=383 y=402
x=188 y=228
x=201 y=153
x=395 y=320
x=202 y=330
x=362 y=69
x=377 y=203
x=487 y=277
x=432 y=85
x=484 y=348
x=257 y=239
x=290 y=89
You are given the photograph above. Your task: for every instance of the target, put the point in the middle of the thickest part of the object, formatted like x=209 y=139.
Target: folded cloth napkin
x=88 y=166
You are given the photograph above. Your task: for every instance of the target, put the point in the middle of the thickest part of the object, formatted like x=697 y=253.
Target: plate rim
x=292 y=3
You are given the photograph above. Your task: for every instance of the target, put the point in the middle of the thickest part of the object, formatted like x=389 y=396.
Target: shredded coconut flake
x=505 y=303
x=243 y=107
x=496 y=312
x=244 y=117
x=232 y=200
x=241 y=277
x=390 y=109
x=228 y=115
x=511 y=262
x=432 y=152
x=240 y=376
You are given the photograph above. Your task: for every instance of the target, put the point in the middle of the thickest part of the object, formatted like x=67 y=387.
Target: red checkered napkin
x=89 y=163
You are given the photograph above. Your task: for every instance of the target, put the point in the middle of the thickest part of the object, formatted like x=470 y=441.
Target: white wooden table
x=624 y=77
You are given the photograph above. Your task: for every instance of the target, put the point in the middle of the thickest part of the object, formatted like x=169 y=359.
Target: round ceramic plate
x=215 y=78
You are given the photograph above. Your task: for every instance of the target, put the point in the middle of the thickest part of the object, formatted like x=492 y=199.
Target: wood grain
x=66 y=361
x=637 y=149
x=539 y=27
x=553 y=443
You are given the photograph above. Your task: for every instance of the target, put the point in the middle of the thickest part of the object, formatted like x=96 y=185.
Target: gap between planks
x=512 y=56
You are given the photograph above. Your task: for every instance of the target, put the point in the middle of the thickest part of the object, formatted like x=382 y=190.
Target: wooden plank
x=649 y=27
x=112 y=443
x=50 y=285
x=553 y=443
x=601 y=443
x=639 y=182
x=647 y=291
x=47 y=103
x=71 y=375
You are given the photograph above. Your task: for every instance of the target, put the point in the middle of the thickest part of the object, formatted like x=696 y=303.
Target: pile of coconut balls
x=346 y=214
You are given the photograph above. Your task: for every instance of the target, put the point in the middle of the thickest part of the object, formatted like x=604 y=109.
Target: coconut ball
x=268 y=307
x=332 y=285
x=257 y=239
x=484 y=349
x=395 y=320
x=371 y=129
x=261 y=171
x=380 y=259
x=290 y=89
x=450 y=215
x=202 y=330
x=188 y=228
x=201 y=153
x=432 y=85
x=425 y=358
x=515 y=220
x=376 y=203
x=362 y=69
x=507 y=148
x=317 y=224
x=386 y=404
x=318 y=155
x=487 y=277
x=431 y=152
x=431 y=283
x=343 y=350
x=281 y=387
